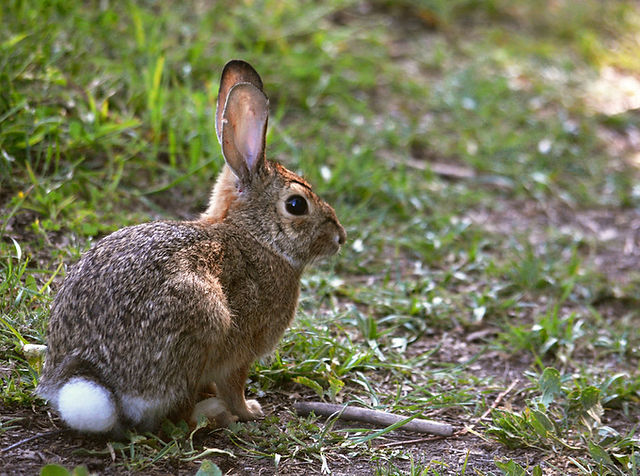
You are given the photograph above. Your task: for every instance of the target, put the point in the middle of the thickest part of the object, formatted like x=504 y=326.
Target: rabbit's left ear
x=234 y=72
x=244 y=127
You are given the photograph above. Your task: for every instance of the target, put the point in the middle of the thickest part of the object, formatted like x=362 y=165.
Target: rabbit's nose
x=341 y=236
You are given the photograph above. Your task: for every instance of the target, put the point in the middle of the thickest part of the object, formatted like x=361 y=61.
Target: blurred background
x=484 y=157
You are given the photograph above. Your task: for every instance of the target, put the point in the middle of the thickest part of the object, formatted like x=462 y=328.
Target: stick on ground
x=31 y=438
x=375 y=417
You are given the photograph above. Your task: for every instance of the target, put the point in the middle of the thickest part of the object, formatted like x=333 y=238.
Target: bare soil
x=35 y=437
x=31 y=438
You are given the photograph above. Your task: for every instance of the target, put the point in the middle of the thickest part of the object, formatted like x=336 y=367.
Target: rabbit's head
x=272 y=204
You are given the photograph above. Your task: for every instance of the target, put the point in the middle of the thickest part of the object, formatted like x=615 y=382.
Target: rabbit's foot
x=251 y=411
x=254 y=408
x=214 y=410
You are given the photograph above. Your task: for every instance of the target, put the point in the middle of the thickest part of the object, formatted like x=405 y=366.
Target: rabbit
x=158 y=314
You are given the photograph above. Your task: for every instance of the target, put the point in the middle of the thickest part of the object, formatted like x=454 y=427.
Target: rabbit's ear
x=244 y=127
x=234 y=72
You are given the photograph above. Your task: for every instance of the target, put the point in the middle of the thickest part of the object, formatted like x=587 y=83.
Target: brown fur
x=222 y=196
x=161 y=311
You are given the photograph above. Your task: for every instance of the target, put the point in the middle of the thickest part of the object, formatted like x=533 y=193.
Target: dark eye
x=296 y=205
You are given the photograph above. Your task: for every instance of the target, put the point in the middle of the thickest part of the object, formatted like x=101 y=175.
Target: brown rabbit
x=154 y=314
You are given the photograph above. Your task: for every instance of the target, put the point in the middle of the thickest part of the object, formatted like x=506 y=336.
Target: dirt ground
x=31 y=438
x=36 y=437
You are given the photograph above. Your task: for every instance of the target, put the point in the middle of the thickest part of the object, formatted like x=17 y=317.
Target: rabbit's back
x=130 y=310
x=151 y=303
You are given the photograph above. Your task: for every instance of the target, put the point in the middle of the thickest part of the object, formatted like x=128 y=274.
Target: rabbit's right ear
x=244 y=127
x=234 y=72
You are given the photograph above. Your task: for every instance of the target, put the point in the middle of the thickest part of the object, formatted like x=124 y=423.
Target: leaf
x=16 y=245
x=550 y=385
x=335 y=385
x=175 y=431
x=80 y=471
x=89 y=229
x=13 y=330
x=312 y=384
x=207 y=468
x=548 y=345
x=589 y=397
x=14 y=40
x=511 y=468
x=541 y=424
x=209 y=451
x=478 y=313
x=599 y=455
x=384 y=431
x=157 y=78
x=54 y=470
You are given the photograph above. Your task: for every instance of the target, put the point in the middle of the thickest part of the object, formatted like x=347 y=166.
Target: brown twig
x=496 y=402
x=375 y=417
x=31 y=438
x=425 y=439
x=493 y=406
x=464 y=430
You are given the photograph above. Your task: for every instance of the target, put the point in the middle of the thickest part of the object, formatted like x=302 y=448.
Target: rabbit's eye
x=296 y=205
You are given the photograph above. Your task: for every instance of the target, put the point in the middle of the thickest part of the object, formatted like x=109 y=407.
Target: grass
x=106 y=119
